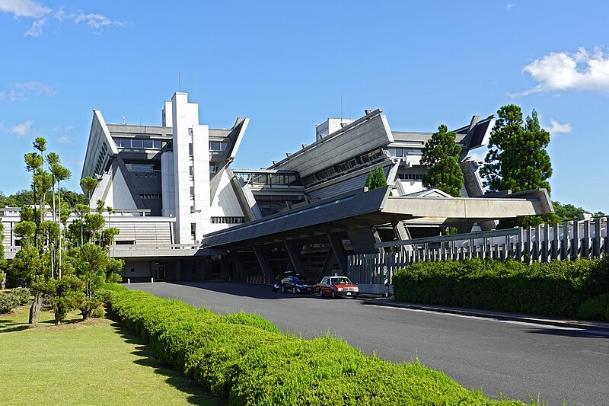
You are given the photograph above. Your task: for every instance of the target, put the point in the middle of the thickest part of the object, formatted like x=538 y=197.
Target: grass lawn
x=84 y=363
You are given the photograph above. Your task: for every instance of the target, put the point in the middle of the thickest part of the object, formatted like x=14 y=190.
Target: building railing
x=565 y=242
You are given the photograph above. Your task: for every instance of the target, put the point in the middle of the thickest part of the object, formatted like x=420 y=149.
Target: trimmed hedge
x=555 y=288
x=247 y=360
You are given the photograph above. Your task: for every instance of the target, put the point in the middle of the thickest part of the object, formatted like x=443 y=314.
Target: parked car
x=292 y=283
x=336 y=286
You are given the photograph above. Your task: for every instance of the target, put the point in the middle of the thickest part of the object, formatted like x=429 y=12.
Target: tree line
x=63 y=258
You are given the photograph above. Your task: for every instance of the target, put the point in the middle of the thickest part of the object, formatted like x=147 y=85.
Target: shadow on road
x=577 y=333
x=242 y=289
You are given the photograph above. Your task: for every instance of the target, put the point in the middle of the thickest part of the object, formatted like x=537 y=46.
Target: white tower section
x=190 y=168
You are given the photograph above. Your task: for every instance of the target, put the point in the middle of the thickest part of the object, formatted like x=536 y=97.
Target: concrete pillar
x=239 y=268
x=339 y=252
x=224 y=268
x=293 y=249
x=265 y=266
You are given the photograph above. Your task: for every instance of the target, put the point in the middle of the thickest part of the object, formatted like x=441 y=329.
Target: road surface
x=503 y=358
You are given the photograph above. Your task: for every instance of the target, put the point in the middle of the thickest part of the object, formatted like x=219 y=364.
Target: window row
x=410 y=176
x=347 y=165
x=150 y=196
x=403 y=152
x=138 y=143
x=227 y=220
x=269 y=179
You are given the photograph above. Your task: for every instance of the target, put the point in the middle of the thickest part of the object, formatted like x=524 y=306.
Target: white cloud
x=21 y=91
x=24 y=8
x=509 y=6
x=41 y=14
x=562 y=71
x=558 y=128
x=36 y=28
x=21 y=129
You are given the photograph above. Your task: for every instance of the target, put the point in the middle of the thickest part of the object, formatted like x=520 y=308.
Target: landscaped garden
x=80 y=363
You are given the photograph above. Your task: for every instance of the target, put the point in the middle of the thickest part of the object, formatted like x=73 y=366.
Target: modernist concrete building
x=184 y=212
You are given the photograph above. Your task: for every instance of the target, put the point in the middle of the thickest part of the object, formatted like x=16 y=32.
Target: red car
x=337 y=286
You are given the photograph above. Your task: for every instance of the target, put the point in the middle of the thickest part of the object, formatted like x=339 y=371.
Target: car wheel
x=355 y=296
x=319 y=293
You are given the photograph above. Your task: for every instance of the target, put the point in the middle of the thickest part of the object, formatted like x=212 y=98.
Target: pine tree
x=376 y=179
x=517 y=159
x=441 y=154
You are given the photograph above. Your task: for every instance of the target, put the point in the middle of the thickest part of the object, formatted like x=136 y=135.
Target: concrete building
x=184 y=212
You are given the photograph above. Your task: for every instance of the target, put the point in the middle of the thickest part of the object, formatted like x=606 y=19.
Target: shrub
x=8 y=302
x=595 y=308
x=22 y=295
x=253 y=320
x=555 y=288
x=247 y=360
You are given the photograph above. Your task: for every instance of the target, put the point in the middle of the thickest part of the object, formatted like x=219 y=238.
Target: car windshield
x=341 y=280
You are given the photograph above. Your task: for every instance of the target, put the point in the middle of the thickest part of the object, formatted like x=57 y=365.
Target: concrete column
x=339 y=252
x=239 y=268
x=264 y=264
x=224 y=268
x=293 y=250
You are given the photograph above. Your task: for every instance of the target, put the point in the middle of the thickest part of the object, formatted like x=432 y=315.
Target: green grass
x=85 y=363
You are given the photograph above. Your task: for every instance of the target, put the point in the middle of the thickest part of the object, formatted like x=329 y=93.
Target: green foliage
x=555 y=288
x=247 y=361
x=595 y=308
x=88 y=185
x=517 y=159
x=25 y=230
x=22 y=295
x=8 y=302
x=376 y=179
x=253 y=320
x=441 y=154
x=26 y=265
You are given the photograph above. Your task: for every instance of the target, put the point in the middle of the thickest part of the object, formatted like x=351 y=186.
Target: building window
x=217 y=146
x=190 y=149
x=213 y=169
x=192 y=192
x=191 y=171
x=227 y=220
x=193 y=231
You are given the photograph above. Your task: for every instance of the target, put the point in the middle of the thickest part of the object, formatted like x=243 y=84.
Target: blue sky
x=286 y=65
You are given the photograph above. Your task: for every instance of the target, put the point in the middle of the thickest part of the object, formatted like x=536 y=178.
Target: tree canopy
x=517 y=159
x=376 y=179
x=441 y=154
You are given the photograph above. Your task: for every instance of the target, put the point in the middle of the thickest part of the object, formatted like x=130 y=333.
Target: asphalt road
x=503 y=358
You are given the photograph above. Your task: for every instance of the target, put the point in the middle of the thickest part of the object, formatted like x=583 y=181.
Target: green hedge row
x=562 y=288
x=247 y=360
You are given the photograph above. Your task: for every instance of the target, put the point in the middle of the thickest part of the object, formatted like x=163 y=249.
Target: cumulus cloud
x=22 y=90
x=40 y=14
x=21 y=129
x=24 y=8
x=558 y=128
x=561 y=71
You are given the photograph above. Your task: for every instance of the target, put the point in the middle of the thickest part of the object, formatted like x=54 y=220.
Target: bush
x=595 y=308
x=8 y=302
x=22 y=295
x=555 y=288
x=247 y=360
x=253 y=320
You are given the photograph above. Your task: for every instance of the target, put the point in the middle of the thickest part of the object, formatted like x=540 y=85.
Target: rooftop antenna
x=124 y=120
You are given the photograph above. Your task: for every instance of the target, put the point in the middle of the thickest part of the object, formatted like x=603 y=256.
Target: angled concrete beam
x=339 y=251
x=293 y=250
x=265 y=266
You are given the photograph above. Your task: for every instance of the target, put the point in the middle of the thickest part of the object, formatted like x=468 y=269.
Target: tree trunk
x=35 y=308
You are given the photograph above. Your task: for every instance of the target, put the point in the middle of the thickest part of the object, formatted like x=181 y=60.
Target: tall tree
x=441 y=154
x=88 y=185
x=517 y=159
